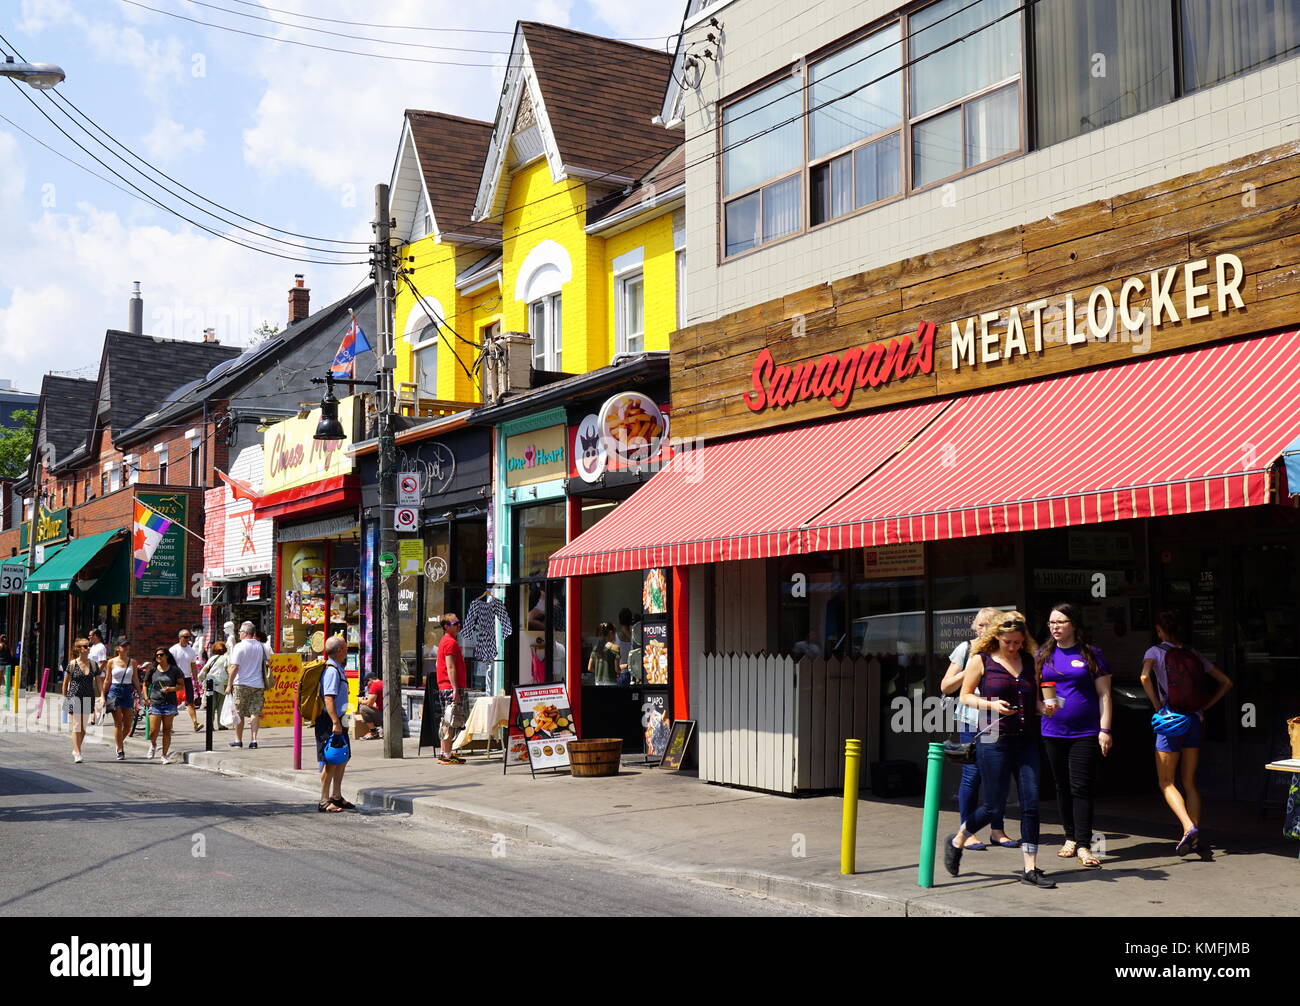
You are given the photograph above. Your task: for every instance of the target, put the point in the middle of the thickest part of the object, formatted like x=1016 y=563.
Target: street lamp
x=41 y=76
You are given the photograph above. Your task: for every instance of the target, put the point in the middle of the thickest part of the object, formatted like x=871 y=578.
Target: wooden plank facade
x=1248 y=208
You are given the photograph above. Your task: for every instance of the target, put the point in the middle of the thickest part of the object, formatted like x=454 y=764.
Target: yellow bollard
x=849 y=828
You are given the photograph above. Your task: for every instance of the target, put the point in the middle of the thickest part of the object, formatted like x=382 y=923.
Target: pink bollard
x=297 y=731
x=40 y=702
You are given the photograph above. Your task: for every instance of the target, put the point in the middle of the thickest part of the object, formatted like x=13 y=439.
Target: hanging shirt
x=480 y=624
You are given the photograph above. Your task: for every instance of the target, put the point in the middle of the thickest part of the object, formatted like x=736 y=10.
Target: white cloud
x=169 y=139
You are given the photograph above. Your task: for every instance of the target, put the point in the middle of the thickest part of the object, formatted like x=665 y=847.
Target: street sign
x=387 y=563
x=40 y=554
x=13 y=579
x=408 y=489
x=406 y=518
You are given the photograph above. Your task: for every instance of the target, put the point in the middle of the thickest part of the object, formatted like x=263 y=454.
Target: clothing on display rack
x=480 y=626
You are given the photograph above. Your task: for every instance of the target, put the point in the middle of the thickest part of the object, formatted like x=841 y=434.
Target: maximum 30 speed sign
x=406 y=518
x=13 y=579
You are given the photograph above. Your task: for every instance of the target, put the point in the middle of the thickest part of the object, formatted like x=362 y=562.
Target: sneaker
x=445 y=760
x=166 y=759
x=1037 y=878
x=236 y=744
x=153 y=752
x=1187 y=843
x=77 y=759
x=252 y=745
x=121 y=756
x=951 y=856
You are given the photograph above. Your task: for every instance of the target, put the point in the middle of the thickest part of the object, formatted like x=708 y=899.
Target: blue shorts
x=162 y=710
x=1191 y=738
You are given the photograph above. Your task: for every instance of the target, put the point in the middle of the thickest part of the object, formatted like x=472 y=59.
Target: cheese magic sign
x=1208 y=287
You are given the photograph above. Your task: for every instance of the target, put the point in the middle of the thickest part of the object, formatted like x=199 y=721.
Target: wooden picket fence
x=770 y=723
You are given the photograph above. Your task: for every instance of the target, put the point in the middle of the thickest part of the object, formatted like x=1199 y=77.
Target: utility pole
x=382 y=260
x=27 y=665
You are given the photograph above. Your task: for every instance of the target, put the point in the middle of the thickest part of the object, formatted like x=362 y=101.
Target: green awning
x=59 y=572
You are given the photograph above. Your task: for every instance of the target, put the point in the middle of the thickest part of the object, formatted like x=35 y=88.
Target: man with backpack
x=1181 y=684
x=329 y=724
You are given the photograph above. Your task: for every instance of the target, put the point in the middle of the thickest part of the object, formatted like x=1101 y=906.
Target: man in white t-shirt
x=98 y=657
x=183 y=653
x=247 y=683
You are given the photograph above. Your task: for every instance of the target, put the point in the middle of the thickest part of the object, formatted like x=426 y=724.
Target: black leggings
x=1074 y=767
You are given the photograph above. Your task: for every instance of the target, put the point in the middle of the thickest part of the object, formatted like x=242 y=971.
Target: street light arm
x=41 y=76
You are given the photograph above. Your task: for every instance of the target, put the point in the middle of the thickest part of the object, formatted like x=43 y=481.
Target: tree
x=16 y=444
x=263 y=332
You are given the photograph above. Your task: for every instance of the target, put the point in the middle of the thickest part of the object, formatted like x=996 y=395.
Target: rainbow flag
x=150 y=527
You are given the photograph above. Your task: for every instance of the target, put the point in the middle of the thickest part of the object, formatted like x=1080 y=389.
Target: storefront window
x=539 y=534
x=614 y=598
x=320 y=595
x=811 y=617
x=437 y=564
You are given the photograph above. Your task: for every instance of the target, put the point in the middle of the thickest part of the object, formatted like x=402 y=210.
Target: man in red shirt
x=452 y=682
x=372 y=708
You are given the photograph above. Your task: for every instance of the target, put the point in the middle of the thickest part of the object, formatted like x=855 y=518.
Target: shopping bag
x=228 y=715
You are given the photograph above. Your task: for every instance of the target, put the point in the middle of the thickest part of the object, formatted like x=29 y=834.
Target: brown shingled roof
x=600 y=95
x=451 y=151
x=668 y=174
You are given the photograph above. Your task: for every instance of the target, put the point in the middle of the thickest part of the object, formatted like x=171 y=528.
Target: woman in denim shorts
x=165 y=681
x=123 y=681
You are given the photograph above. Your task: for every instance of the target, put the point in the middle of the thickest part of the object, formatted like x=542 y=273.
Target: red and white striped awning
x=1178 y=434
x=1184 y=433
x=743 y=499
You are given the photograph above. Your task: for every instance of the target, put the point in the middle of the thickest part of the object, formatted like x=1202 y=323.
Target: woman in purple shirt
x=1076 y=729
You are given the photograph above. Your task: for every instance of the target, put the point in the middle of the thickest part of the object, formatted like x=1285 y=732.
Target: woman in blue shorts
x=1177 y=680
x=165 y=681
x=123 y=681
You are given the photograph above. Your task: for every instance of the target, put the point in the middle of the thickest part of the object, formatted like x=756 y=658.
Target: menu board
x=1205 y=619
x=654 y=592
x=545 y=719
x=655 y=724
x=678 y=743
x=654 y=652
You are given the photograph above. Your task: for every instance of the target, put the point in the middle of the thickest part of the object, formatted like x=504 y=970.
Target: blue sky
x=290 y=136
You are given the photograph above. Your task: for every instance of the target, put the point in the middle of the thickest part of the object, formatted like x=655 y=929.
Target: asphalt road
x=143 y=839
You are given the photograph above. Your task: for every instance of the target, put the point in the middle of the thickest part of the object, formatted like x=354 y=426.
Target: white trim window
x=196 y=473
x=132 y=464
x=113 y=471
x=424 y=358
x=161 y=451
x=629 y=302
x=545 y=317
x=679 y=248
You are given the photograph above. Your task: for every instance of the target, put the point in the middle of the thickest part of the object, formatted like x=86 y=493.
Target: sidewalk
x=789 y=848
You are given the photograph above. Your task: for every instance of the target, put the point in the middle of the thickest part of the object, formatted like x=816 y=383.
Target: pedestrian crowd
x=1015 y=695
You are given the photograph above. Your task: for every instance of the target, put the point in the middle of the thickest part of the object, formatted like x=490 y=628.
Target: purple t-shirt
x=1078 y=712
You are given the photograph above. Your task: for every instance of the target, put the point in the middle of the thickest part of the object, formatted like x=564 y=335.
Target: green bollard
x=930 y=820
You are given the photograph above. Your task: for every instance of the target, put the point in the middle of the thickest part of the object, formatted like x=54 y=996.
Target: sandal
x=1087 y=860
x=329 y=807
x=1069 y=849
x=339 y=802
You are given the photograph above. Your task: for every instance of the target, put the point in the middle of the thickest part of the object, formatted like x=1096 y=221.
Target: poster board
x=543 y=719
x=679 y=743
x=655 y=724
x=165 y=574
x=279 y=702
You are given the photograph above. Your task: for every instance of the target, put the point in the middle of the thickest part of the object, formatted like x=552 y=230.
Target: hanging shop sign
x=253 y=591
x=632 y=427
x=436 y=569
x=165 y=574
x=51 y=526
x=293 y=457
x=589 y=455
x=536 y=456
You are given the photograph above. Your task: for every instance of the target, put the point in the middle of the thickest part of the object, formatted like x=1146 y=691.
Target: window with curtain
x=426 y=364
x=960 y=119
x=1099 y=61
x=1225 y=38
x=544 y=325
x=631 y=312
x=762 y=140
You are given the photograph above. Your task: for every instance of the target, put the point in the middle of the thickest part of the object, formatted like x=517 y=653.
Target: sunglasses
x=1012 y=627
x=452 y=624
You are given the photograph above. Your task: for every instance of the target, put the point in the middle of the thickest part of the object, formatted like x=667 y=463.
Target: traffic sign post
x=408 y=489
x=406 y=518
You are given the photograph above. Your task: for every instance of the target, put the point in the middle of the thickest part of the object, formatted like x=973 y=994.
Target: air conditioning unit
x=215 y=594
x=508 y=362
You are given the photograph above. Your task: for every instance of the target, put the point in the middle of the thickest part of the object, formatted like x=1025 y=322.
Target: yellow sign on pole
x=410 y=556
x=279 y=701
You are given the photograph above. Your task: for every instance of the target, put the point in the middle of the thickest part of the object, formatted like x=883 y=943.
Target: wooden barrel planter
x=595 y=757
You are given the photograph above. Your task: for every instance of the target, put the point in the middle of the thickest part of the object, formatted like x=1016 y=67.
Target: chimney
x=135 y=314
x=509 y=365
x=299 y=300
x=210 y=335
